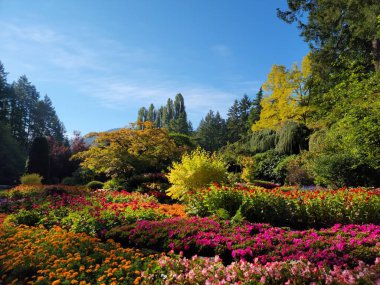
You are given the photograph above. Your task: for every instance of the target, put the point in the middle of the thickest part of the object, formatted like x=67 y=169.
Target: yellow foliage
x=196 y=170
x=120 y=152
x=287 y=99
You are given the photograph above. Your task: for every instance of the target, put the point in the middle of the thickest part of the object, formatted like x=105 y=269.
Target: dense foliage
x=195 y=170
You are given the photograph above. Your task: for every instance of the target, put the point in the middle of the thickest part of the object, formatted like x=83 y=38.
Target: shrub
x=94 y=185
x=114 y=184
x=223 y=201
x=196 y=170
x=264 y=165
x=71 y=181
x=296 y=170
x=31 y=179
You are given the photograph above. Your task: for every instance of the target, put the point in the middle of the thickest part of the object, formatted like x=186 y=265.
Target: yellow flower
x=56 y=282
x=137 y=280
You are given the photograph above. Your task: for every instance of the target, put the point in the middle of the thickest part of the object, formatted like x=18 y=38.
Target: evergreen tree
x=233 y=118
x=254 y=114
x=38 y=158
x=179 y=106
x=12 y=157
x=169 y=111
x=150 y=115
x=4 y=96
x=212 y=132
x=237 y=119
x=159 y=118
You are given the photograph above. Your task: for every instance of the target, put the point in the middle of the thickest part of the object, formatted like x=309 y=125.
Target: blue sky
x=101 y=60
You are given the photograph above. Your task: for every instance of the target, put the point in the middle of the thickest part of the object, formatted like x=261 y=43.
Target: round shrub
x=195 y=170
x=31 y=179
x=71 y=181
x=94 y=185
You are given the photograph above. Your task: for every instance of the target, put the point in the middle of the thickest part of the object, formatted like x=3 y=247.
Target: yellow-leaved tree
x=120 y=153
x=287 y=97
x=195 y=170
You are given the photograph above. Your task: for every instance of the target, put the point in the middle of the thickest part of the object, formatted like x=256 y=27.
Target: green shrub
x=264 y=165
x=80 y=222
x=222 y=198
x=343 y=169
x=196 y=170
x=114 y=184
x=31 y=179
x=25 y=217
x=296 y=170
x=94 y=185
x=71 y=181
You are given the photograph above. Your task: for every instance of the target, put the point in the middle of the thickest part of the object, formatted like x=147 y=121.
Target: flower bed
x=34 y=255
x=291 y=206
x=172 y=270
x=337 y=245
x=93 y=214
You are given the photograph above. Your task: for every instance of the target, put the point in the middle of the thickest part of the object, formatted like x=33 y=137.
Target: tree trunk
x=376 y=53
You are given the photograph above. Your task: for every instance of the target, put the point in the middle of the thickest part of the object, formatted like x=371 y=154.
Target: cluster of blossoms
x=34 y=255
x=181 y=270
x=337 y=245
x=93 y=214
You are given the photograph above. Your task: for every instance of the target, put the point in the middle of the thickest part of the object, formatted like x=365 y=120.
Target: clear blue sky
x=101 y=60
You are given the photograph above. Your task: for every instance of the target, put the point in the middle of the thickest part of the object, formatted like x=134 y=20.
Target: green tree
x=151 y=113
x=339 y=33
x=237 y=118
x=254 y=113
x=38 y=158
x=12 y=157
x=212 y=132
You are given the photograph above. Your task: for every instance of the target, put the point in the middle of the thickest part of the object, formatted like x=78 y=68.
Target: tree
x=38 y=158
x=4 y=96
x=212 y=132
x=121 y=153
x=172 y=116
x=288 y=97
x=339 y=32
x=254 y=113
x=349 y=134
x=237 y=118
x=233 y=118
x=151 y=113
x=142 y=115
x=12 y=157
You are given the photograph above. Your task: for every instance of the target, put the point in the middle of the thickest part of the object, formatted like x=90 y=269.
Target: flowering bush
x=30 y=255
x=172 y=270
